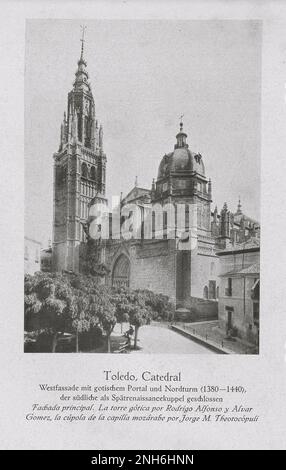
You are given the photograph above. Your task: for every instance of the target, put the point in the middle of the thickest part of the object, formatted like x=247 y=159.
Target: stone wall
x=203 y=269
x=154 y=266
x=202 y=310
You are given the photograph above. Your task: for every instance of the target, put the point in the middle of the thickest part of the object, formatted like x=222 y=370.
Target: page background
x=263 y=376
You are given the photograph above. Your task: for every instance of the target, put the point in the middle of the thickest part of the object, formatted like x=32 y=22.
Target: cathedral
x=187 y=272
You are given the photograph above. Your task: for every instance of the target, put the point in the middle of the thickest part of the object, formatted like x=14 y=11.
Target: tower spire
x=81 y=144
x=239 y=211
x=81 y=75
x=83 y=28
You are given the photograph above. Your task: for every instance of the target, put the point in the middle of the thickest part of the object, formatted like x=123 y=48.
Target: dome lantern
x=181 y=137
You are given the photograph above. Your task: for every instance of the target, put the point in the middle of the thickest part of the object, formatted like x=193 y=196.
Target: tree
x=32 y=307
x=93 y=306
x=108 y=322
x=138 y=307
x=80 y=320
x=91 y=261
x=124 y=319
x=122 y=303
x=56 y=303
x=106 y=313
x=138 y=317
x=52 y=313
x=138 y=312
x=159 y=304
x=46 y=304
x=99 y=307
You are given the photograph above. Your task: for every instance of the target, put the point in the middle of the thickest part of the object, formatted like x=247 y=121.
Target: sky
x=144 y=76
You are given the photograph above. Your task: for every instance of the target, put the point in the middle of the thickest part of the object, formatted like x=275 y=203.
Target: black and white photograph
x=142 y=177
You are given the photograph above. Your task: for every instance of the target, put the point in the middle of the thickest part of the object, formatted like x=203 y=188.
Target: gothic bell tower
x=79 y=170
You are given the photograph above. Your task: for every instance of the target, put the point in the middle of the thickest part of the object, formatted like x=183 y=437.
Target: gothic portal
x=121 y=272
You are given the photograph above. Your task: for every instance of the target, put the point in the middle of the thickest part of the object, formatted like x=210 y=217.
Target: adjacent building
x=239 y=290
x=32 y=250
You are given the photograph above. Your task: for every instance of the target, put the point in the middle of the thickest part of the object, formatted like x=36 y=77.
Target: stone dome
x=181 y=159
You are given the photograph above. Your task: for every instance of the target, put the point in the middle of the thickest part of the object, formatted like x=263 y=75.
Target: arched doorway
x=121 y=272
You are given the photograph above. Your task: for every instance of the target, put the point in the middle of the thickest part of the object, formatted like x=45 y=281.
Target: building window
x=212 y=290
x=255 y=290
x=229 y=318
x=182 y=184
x=26 y=255
x=165 y=224
x=84 y=170
x=187 y=217
x=256 y=313
x=79 y=127
x=87 y=129
x=206 y=292
x=92 y=173
x=228 y=290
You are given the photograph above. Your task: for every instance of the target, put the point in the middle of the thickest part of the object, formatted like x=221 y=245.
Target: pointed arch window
x=87 y=131
x=79 y=127
x=93 y=173
x=84 y=170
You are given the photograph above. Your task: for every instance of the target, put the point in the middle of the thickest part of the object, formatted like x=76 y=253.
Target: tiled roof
x=135 y=193
x=252 y=242
x=252 y=269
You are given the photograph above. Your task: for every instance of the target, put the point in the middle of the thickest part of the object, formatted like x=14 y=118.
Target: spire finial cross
x=83 y=28
x=181 y=122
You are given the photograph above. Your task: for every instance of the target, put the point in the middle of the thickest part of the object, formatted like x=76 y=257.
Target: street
x=156 y=340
